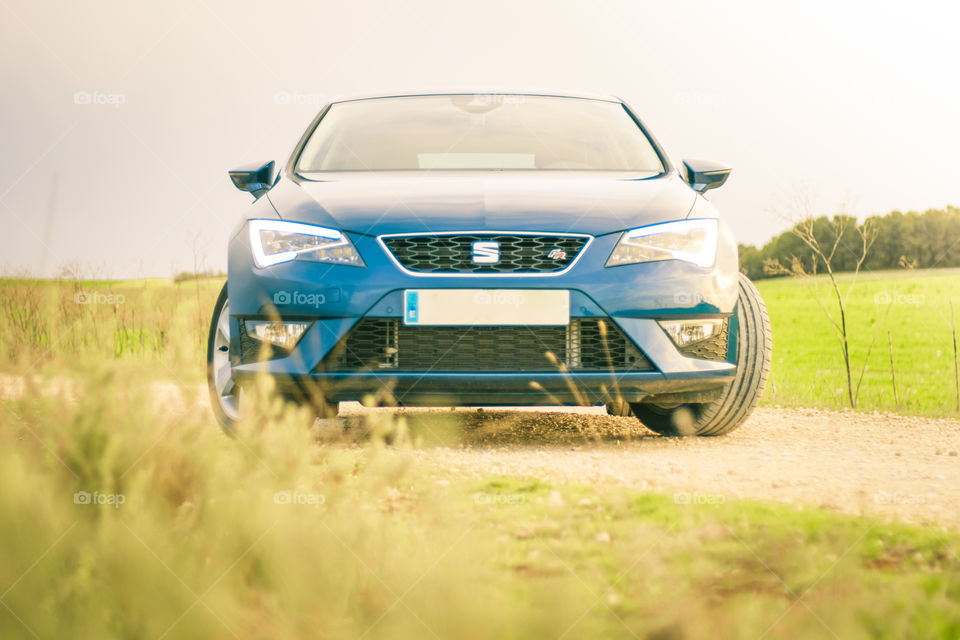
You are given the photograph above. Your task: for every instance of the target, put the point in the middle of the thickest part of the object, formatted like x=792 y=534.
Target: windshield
x=478 y=132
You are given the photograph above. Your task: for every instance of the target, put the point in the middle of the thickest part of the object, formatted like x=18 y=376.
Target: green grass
x=158 y=326
x=148 y=325
x=275 y=535
x=287 y=534
x=807 y=363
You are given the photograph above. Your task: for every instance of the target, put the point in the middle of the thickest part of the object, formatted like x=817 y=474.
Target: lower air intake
x=387 y=344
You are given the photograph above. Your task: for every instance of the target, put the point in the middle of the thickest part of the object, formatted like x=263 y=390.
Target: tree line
x=903 y=240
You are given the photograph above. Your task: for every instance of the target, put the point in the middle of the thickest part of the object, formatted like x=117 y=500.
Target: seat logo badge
x=557 y=254
x=486 y=252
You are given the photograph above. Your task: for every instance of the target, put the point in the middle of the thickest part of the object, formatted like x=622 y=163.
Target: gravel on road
x=902 y=467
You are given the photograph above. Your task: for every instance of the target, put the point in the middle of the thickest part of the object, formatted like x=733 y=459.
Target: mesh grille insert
x=517 y=253
x=713 y=348
x=384 y=343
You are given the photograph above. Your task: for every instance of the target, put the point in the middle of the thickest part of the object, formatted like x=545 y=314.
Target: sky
x=119 y=120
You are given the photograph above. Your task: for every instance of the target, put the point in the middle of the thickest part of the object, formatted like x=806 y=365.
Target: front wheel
x=730 y=410
x=226 y=396
x=224 y=392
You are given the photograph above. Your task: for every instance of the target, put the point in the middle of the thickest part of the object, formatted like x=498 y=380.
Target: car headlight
x=277 y=241
x=692 y=241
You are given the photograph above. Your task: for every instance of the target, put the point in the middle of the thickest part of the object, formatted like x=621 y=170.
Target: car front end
x=476 y=287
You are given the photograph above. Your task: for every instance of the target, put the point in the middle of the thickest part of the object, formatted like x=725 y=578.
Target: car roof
x=477 y=91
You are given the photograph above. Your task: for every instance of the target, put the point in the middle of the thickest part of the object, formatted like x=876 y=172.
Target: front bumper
x=672 y=376
x=446 y=389
x=631 y=298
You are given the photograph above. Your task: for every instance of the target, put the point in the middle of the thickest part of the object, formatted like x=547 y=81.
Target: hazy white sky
x=856 y=101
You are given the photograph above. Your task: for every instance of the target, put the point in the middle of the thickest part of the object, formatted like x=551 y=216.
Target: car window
x=478 y=132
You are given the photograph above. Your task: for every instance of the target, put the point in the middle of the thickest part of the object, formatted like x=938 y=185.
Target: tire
x=729 y=411
x=225 y=395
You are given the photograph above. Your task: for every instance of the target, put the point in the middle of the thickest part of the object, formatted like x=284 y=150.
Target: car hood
x=380 y=203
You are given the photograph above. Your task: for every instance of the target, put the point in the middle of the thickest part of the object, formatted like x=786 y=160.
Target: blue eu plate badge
x=411 y=313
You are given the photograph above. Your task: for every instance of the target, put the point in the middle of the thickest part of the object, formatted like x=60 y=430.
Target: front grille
x=453 y=253
x=383 y=344
x=713 y=348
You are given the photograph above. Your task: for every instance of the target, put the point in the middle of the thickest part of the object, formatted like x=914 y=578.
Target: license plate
x=486 y=307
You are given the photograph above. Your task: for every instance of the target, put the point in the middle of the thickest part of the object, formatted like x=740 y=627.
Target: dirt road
x=906 y=468
x=902 y=467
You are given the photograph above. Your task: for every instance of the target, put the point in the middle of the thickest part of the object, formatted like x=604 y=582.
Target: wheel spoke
x=223 y=379
x=224 y=391
x=223 y=325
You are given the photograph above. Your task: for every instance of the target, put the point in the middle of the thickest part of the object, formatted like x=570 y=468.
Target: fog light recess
x=281 y=334
x=687 y=332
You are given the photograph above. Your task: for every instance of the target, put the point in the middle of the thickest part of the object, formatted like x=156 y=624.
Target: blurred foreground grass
x=126 y=515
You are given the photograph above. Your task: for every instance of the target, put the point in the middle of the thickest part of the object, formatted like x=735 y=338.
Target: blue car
x=487 y=249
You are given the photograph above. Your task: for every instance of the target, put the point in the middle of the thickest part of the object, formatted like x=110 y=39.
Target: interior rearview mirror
x=256 y=178
x=704 y=175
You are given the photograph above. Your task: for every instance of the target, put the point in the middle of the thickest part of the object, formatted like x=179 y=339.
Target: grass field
x=125 y=520
x=151 y=326
x=161 y=327
x=914 y=306
x=122 y=518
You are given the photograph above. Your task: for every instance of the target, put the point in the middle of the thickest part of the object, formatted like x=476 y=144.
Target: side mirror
x=255 y=178
x=704 y=175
